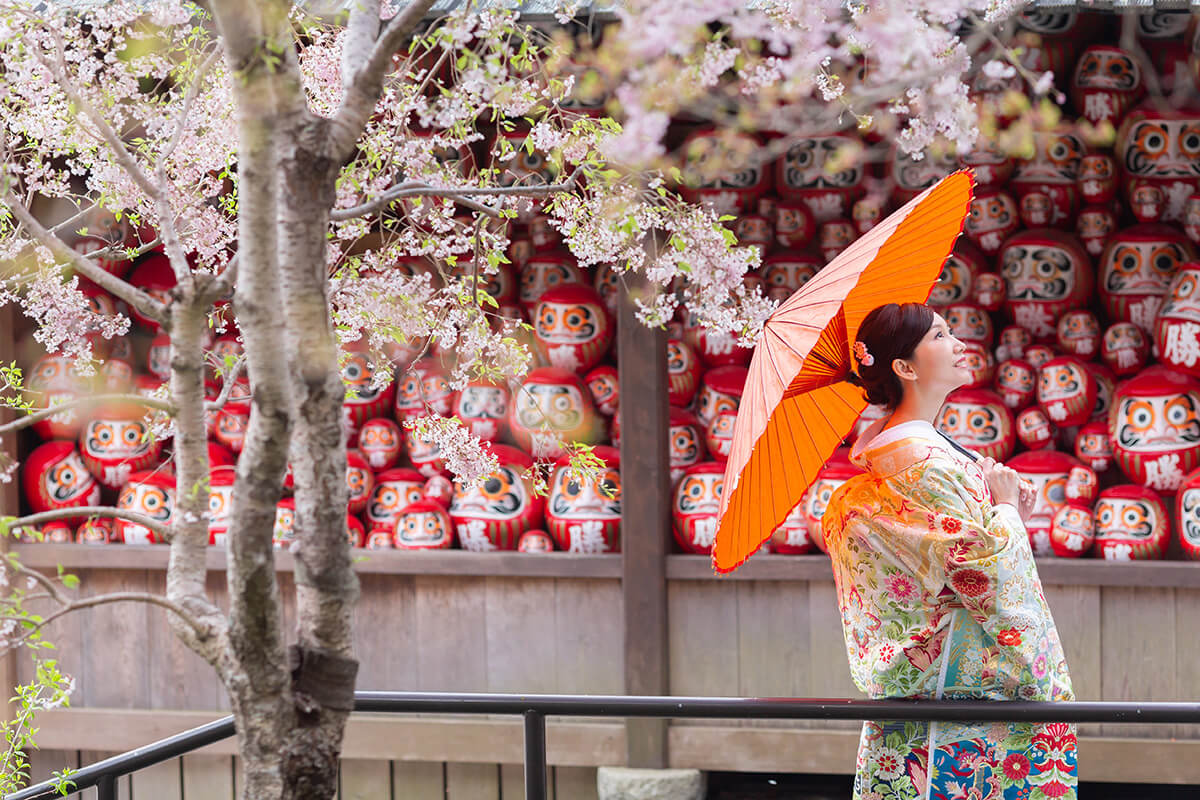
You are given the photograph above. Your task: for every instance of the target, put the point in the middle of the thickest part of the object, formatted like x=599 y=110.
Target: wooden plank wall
x=415 y=632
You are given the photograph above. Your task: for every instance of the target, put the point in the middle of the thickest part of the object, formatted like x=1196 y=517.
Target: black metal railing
x=534 y=708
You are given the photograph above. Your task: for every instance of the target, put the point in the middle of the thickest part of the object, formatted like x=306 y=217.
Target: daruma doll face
x=1131 y=523
x=697 y=501
x=979 y=421
x=1155 y=422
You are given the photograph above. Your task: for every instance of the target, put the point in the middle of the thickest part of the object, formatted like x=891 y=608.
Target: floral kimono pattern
x=940 y=598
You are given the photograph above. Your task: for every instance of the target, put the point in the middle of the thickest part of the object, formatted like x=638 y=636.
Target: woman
x=939 y=594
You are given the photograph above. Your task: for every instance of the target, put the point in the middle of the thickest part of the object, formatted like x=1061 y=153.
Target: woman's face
x=939 y=360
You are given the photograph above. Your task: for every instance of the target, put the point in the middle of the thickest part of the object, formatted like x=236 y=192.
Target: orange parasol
x=797 y=405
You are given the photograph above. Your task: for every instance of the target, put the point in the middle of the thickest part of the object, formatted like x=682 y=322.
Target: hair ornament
x=863 y=355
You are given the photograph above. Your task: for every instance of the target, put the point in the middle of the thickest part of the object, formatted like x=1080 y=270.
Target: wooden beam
x=384 y=562
x=368 y=736
x=645 y=517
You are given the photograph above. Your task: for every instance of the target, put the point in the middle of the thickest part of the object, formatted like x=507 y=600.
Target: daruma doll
x=394 y=489
x=978 y=420
x=148 y=493
x=1048 y=273
x=1155 y=426
x=423 y=525
x=837 y=470
x=1131 y=524
x=54 y=476
x=1049 y=471
x=572 y=327
x=1073 y=530
x=1187 y=512
x=1066 y=391
x=116 y=442
x=552 y=403
x=695 y=505
x=584 y=515
x=493 y=514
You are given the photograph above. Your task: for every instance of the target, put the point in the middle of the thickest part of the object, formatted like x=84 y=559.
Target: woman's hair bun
x=889 y=332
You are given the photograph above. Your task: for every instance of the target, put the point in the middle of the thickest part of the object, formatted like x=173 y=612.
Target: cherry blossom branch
x=107 y=512
x=201 y=630
x=362 y=82
x=227 y=388
x=458 y=194
x=106 y=132
x=116 y=251
x=144 y=303
x=38 y=416
x=170 y=233
x=222 y=286
x=189 y=100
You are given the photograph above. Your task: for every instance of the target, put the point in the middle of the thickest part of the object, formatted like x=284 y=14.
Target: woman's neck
x=916 y=406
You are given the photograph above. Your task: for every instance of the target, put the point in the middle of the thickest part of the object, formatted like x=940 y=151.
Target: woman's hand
x=1028 y=498
x=1003 y=481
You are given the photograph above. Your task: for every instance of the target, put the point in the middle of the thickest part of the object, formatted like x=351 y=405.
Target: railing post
x=535 y=755
x=106 y=789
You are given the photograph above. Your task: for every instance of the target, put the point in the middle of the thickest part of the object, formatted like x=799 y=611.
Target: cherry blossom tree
x=286 y=163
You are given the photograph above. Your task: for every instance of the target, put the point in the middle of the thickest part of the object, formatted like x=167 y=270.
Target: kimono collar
x=898 y=447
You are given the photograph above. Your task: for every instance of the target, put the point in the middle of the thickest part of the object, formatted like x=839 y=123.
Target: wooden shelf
x=1056 y=571
x=392 y=562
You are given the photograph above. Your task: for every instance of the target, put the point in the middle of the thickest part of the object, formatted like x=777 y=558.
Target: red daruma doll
x=52 y=381
x=359 y=480
x=604 y=384
x=683 y=373
x=483 y=407
x=1066 y=391
x=978 y=420
x=1187 y=508
x=1047 y=273
x=696 y=503
x=836 y=471
x=686 y=442
x=1177 y=327
x=423 y=525
x=116 y=442
x=573 y=327
x=220 y=503
x=1073 y=530
x=394 y=489
x=550 y=403
x=720 y=391
x=791 y=537
x=54 y=476
x=492 y=514
x=151 y=494
x=365 y=400
x=1155 y=425
x=584 y=516
x=380 y=442
x=1049 y=471
x=1131 y=524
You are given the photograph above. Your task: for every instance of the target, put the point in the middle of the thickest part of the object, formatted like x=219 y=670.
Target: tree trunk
x=323 y=662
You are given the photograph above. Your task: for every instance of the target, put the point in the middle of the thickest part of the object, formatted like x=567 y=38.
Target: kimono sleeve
x=982 y=550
